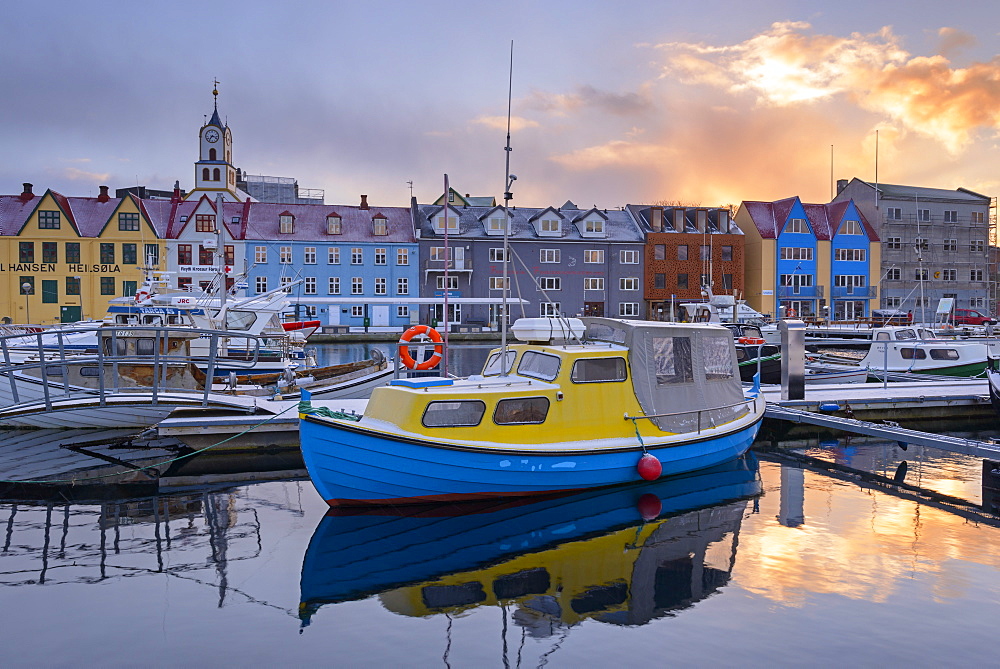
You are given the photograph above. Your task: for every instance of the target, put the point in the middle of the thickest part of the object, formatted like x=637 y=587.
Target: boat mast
x=507 y=197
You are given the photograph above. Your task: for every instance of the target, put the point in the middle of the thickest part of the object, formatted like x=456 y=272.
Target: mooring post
x=793 y=359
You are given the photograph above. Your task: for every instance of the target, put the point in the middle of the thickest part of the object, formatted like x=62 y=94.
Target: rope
x=638 y=436
x=165 y=462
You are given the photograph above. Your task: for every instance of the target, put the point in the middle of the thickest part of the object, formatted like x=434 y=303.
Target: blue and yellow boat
x=579 y=403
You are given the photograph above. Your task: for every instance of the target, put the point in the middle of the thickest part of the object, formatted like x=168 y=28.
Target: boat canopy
x=685 y=374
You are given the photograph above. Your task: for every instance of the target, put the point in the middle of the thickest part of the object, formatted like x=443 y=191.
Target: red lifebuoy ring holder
x=791 y=313
x=141 y=295
x=750 y=340
x=404 y=348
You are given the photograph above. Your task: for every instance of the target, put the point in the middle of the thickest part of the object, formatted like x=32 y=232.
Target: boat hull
x=351 y=464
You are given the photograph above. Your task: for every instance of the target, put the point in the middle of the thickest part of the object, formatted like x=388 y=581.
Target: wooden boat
x=447 y=558
x=617 y=400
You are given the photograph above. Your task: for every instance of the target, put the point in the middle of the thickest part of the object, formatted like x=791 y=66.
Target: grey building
x=935 y=243
x=564 y=260
x=278 y=190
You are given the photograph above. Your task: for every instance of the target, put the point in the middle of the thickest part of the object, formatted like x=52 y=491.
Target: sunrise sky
x=703 y=102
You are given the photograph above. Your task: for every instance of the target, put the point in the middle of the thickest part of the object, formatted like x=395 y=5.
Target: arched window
x=212 y=154
x=215 y=174
x=204 y=174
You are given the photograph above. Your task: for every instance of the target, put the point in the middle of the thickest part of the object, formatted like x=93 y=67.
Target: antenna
x=411 y=188
x=508 y=179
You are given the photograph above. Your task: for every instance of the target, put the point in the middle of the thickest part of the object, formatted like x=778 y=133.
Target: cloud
x=500 y=122
x=75 y=174
x=788 y=66
x=953 y=40
x=590 y=98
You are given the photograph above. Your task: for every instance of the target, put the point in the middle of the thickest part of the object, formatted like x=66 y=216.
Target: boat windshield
x=492 y=366
x=240 y=320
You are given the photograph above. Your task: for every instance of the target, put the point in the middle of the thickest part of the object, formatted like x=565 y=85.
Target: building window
x=107 y=254
x=628 y=257
x=548 y=255
x=950 y=245
x=380 y=256
x=285 y=255
x=894 y=243
x=949 y=275
x=183 y=254
x=499 y=282
x=682 y=280
x=402 y=311
x=452 y=283
x=682 y=252
x=333 y=255
x=893 y=214
x=48 y=220
x=920 y=275
x=975 y=274
x=494 y=225
x=628 y=309
x=727 y=253
x=380 y=226
x=924 y=215
x=893 y=302
x=357 y=311
x=333 y=225
x=727 y=281
x=659 y=252
x=894 y=274
x=705 y=253
x=285 y=282
x=402 y=286
x=184 y=283
x=380 y=285
x=593 y=256
x=851 y=228
x=260 y=254
x=50 y=252
x=977 y=218
x=30 y=280
x=796 y=280
x=976 y=245
x=921 y=243
x=549 y=309
x=333 y=285
x=206 y=257
x=549 y=225
x=26 y=252
x=440 y=254
x=107 y=285
x=286 y=224
x=260 y=284
x=849 y=280
x=595 y=227
x=452 y=223
x=151 y=255
x=496 y=255
x=357 y=256
x=309 y=286
x=402 y=256
x=593 y=283
x=950 y=216
x=72 y=252
x=128 y=221
x=204 y=223
x=549 y=283
x=797 y=225
x=851 y=255
x=628 y=283
x=357 y=286
x=309 y=255
x=796 y=253
x=130 y=253
x=72 y=285
x=660 y=281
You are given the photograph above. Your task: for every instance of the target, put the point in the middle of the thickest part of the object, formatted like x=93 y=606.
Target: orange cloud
x=500 y=122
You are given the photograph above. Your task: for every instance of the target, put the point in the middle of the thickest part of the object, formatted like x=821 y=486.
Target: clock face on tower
x=212 y=136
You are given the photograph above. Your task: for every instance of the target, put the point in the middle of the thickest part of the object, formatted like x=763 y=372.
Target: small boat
x=580 y=403
x=993 y=376
x=916 y=350
x=423 y=560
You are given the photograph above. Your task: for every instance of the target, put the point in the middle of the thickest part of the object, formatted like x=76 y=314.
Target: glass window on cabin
x=119 y=346
x=539 y=366
x=144 y=346
x=944 y=354
x=672 y=360
x=464 y=413
x=492 y=367
x=55 y=371
x=596 y=370
x=906 y=334
x=240 y=320
x=913 y=354
x=521 y=411
x=90 y=371
x=718 y=359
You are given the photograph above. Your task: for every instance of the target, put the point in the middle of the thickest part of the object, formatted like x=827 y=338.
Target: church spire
x=215 y=120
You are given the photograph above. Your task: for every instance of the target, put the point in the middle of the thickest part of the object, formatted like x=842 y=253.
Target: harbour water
x=774 y=561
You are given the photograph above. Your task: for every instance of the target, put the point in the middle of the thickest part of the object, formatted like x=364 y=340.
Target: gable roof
x=824 y=219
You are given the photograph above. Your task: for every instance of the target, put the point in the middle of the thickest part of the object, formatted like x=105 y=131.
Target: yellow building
x=64 y=258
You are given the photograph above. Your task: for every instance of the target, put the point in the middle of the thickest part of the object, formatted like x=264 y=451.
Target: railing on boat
x=51 y=353
x=750 y=404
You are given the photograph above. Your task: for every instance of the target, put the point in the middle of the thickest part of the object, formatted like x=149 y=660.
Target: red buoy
x=649 y=467
x=649 y=506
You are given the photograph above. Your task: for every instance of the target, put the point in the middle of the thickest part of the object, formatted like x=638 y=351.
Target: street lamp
x=79 y=293
x=26 y=289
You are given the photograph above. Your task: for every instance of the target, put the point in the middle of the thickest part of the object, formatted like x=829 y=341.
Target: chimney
x=176 y=197
x=364 y=202
x=103 y=197
x=656 y=218
x=841 y=185
x=27 y=194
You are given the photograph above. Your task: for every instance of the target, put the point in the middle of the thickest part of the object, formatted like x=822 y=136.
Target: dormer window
x=797 y=225
x=452 y=223
x=380 y=225
x=333 y=224
x=851 y=228
x=595 y=227
x=204 y=223
x=549 y=225
x=494 y=224
x=286 y=223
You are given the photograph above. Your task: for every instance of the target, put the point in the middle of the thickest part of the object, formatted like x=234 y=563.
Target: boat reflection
x=622 y=555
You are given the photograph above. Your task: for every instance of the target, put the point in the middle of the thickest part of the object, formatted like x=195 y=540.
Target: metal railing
x=750 y=404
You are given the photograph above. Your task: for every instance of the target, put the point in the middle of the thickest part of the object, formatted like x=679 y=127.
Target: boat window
x=906 y=334
x=718 y=358
x=119 y=346
x=594 y=370
x=521 y=411
x=927 y=334
x=882 y=336
x=741 y=354
x=604 y=332
x=55 y=371
x=672 y=360
x=90 y=371
x=913 y=353
x=240 y=320
x=144 y=346
x=492 y=367
x=752 y=331
x=463 y=413
x=539 y=365
x=944 y=354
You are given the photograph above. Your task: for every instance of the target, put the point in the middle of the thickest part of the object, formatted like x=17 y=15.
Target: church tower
x=214 y=171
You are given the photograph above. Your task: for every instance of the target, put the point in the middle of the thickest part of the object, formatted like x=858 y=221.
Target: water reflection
x=622 y=556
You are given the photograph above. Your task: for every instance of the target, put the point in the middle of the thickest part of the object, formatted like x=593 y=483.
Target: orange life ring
x=404 y=350
x=790 y=313
x=141 y=295
x=750 y=340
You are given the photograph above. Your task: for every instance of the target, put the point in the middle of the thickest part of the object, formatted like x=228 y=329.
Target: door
x=454 y=313
x=334 y=316
x=797 y=308
x=380 y=315
x=593 y=308
x=848 y=310
x=70 y=314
